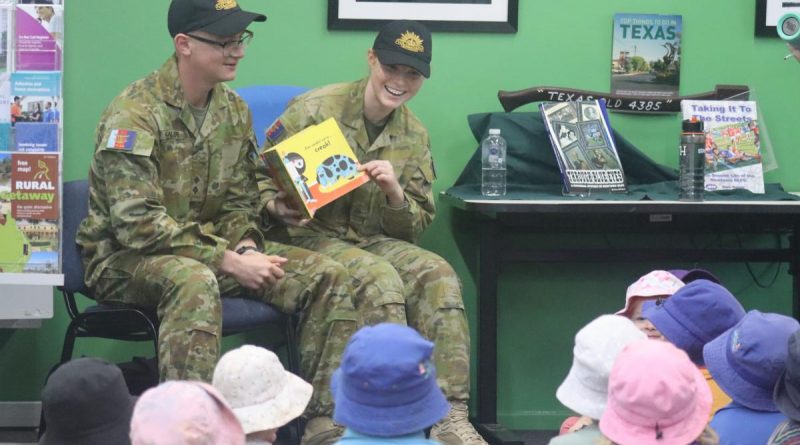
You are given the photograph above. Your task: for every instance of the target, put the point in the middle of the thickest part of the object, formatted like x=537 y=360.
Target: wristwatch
x=244 y=249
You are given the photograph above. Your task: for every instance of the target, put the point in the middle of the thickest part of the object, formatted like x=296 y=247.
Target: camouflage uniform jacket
x=364 y=212
x=169 y=189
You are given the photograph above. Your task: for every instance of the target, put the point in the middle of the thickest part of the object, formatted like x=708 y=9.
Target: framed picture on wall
x=439 y=15
x=769 y=11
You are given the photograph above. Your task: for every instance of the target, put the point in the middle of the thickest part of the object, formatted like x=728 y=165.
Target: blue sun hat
x=386 y=385
x=748 y=359
x=694 y=315
x=787 y=390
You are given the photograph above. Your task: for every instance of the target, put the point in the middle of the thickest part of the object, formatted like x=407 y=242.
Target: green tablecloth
x=532 y=172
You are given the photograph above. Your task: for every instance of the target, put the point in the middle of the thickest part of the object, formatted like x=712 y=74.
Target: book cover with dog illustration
x=314 y=167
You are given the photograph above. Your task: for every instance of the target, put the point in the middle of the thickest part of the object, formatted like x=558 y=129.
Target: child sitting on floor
x=656 y=396
x=696 y=314
x=263 y=395
x=747 y=361
x=585 y=389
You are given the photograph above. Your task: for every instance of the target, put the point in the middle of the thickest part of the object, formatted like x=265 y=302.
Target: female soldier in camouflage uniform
x=372 y=230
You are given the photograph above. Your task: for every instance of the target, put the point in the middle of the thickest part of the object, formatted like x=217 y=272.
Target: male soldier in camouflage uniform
x=371 y=230
x=172 y=221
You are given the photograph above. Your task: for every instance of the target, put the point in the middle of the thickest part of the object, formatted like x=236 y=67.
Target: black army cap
x=405 y=42
x=220 y=17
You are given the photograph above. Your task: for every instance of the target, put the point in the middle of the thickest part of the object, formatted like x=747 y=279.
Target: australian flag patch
x=119 y=139
x=275 y=130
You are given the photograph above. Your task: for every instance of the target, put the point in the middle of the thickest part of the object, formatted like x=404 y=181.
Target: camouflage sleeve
x=238 y=212
x=409 y=221
x=131 y=181
x=293 y=119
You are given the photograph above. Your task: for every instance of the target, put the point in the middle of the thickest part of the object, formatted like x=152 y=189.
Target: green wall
x=559 y=43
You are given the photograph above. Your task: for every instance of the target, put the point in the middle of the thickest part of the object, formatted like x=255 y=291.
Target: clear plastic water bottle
x=493 y=156
x=692 y=161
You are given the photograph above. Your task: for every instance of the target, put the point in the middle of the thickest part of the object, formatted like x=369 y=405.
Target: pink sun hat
x=184 y=413
x=658 y=283
x=656 y=396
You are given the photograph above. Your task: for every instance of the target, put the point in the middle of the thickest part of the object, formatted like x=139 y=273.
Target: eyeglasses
x=229 y=46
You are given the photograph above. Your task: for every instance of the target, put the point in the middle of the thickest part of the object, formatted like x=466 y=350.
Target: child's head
x=263 y=395
x=653 y=285
x=644 y=324
x=747 y=360
x=787 y=390
x=86 y=402
x=184 y=413
x=696 y=314
x=597 y=345
x=386 y=385
x=658 y=284
x=656 y=396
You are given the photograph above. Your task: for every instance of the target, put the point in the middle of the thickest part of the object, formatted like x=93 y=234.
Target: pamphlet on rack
x=583 y=146
x=646 y=55
x=39 y=37
x=30 y=135
x=314 y=167
x=29 y=212
x=733 y=143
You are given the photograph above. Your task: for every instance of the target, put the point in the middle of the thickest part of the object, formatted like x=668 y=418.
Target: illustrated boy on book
x=296 y=166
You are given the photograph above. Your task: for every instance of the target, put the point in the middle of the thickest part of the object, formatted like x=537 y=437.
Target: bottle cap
x=494 y=131
x=693 y=125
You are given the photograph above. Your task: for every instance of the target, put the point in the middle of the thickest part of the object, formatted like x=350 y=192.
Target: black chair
x=135 y=324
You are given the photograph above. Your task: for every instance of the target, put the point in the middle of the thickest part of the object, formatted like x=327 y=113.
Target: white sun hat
x=585 y=390
x=262 y=394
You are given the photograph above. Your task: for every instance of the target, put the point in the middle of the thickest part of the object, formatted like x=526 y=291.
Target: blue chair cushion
x=267 y=102
x=241 y=314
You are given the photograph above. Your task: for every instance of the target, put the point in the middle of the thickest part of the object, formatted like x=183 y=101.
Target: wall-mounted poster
x=646 y=55
x=439 y=15
x=768 y=12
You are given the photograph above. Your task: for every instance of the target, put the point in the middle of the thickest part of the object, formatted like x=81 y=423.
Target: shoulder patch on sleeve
x=136 y=142
x=275 y=130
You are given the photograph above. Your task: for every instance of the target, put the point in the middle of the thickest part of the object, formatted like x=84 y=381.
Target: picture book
x=583 y=145
x=314 y=167
x=29 y=212
x=646 y=55
x=733 y=143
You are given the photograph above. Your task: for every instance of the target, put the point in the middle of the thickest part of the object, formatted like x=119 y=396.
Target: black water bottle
x=692 y=160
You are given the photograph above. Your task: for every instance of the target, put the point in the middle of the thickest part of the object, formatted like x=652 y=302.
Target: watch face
x=244 y=249
x=790 y=26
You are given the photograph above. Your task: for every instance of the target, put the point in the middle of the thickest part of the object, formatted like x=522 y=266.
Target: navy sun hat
x=787 y=390
x=689 y=275
x=748 y=359
x=86 y=402
x=386 y=385
x=696 y=314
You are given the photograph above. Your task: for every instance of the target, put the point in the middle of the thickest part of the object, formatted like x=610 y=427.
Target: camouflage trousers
x=396 y=281
x=185 y=294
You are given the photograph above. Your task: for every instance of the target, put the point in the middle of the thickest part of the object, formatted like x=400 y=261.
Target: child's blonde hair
x=707 y=437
